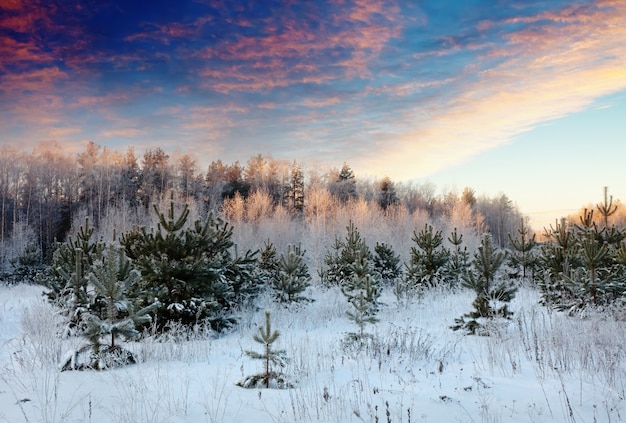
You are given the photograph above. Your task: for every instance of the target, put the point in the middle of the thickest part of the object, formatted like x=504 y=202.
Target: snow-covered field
x=541 y=367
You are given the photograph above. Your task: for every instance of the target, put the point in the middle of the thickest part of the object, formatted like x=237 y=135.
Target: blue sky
x=526 y=98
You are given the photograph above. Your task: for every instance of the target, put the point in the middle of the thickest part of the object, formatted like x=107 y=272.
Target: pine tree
x=458 y=260
x=111 y=278
x=190 y=269
x=428 y=259
x=386 y=263
x=607 y=208
x=341 y=257
x=523 y=246
x=266 y=337
x=387 y=195
x=268 y=264
x=362 y=292
x=492 y=297
x=66 y=277
x=293 y=276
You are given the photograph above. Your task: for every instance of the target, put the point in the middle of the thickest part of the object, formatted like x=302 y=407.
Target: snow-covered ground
x=541 y=367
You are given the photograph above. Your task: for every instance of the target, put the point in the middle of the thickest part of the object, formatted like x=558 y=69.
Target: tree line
x=45 y=192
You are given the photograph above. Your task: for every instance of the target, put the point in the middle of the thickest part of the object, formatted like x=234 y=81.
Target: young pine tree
x=458 y=260
x=492 y=296
x=362 y=292
x=386 y=263
x=428 y=259
x=266 y=337
x=190 y=269
x=293 y=276
x=523 y=246
x=342 y=256
x=67 y=276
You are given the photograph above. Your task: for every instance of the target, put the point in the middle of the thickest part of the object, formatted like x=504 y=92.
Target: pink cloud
x=265 y=62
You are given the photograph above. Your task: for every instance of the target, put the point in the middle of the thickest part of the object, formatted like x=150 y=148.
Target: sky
x=521 y=97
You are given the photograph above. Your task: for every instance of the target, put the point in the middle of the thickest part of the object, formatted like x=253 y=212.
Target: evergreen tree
x=268 y=264
x=293 y=197
x=458 y=260
x=492 y=297
x=111 y=279
x=266 y=337
x=362 y=292
x=66 y=277
x=344 y=186
x=386 y=263
x=523 y=247
x=607 y=208
x=428 y=260
x=341 y=257
x=190 y=269
x=387 y=195
x=293 y=276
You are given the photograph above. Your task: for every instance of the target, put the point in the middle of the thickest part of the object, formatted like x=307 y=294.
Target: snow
x=540 y=367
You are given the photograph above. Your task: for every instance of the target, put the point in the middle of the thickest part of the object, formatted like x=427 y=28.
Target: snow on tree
x=110 y=277
x=268 y=378
x=343 y=254
x=190 y=269
x=427 y=260
x=522 y=254
x=292 y=277
x=362 y=292
x=386 y=263
x=492 y=294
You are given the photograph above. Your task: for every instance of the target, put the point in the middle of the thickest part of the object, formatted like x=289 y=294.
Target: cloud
x=558 y=68
x=289 y=51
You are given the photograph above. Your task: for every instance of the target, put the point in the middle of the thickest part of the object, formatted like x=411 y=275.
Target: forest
x=148 y=260
x=44 y=195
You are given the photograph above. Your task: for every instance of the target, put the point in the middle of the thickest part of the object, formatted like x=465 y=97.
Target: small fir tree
x=266 y=337
x=268 y=264
x=362 y=292
x=458 y=260
x=66 y=278
x=558 y=256
x=523 y=246
x=190 y=269
x=607 y=208
x=293 y=276
x=428 y=259
x=492 y=297
x=110 y=278
x=341 y=257
x=386 y=263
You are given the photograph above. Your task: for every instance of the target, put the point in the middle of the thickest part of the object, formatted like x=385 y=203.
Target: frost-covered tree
x=386 y=263
x=428 y=259
x=268 y=264
x=387 y=195
x=270 y=356
x=343 y=185
x=492 y=294
x=110 y=278
x=362 y=292
x=66 y=278
x=190 y=269
x=522 y=254
x=343 y=254
x=459 y=258
x=607 y=208
x=293 y=276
